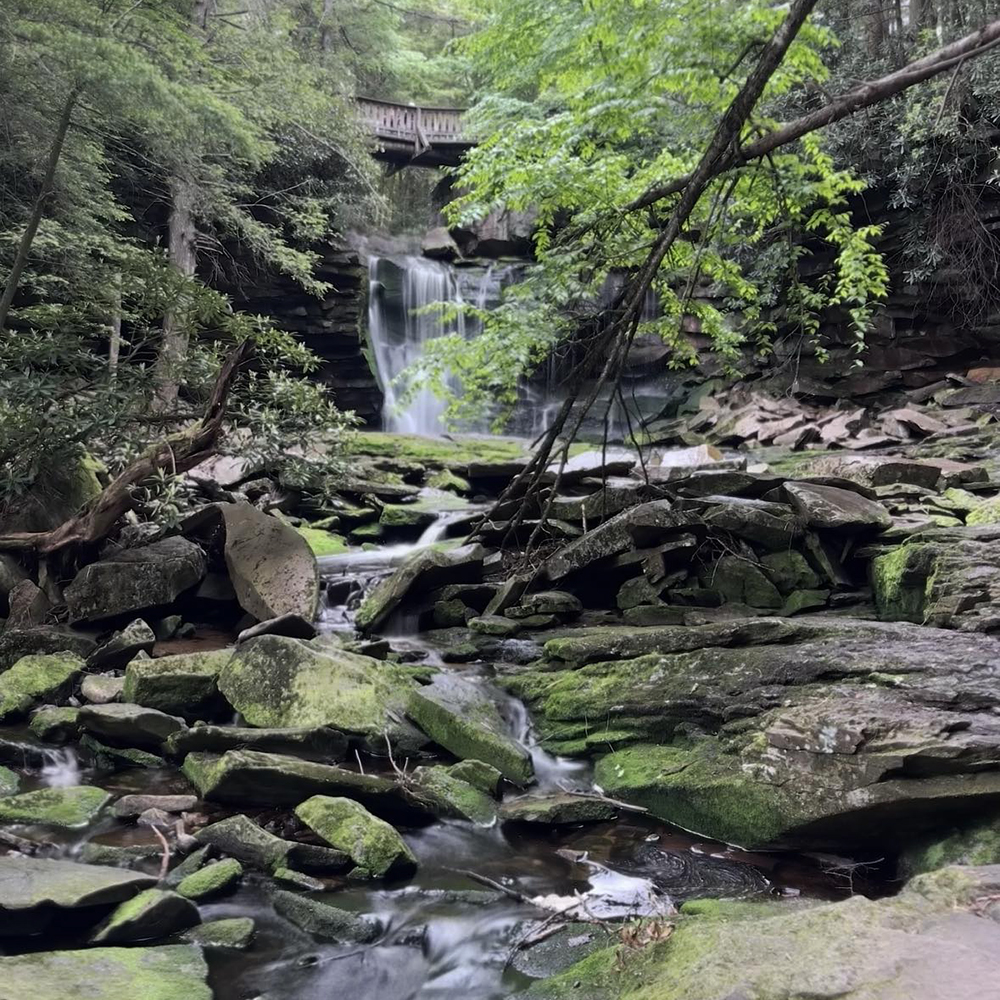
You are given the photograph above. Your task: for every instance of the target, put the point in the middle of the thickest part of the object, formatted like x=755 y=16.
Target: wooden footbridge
x=407 y=135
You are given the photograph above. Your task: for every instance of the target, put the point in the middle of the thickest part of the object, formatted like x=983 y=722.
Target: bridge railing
x=419 y=125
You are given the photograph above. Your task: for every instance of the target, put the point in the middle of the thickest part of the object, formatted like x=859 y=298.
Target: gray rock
x=28 y=606
x=18 y=642
x=133 y=805
x=152 y=914
x=557 y=809
x=775 y=526
x=271 y=566
x=123 y=646
x=320 y=743
x=231 y=933
x=292 y=625
x=322 y=919
x=181 y=684
x=101 y=689
x=425 y=570
x=832 y=508
x=129 y=725
x=134 y=579
x=546 y=602
x=742 y=582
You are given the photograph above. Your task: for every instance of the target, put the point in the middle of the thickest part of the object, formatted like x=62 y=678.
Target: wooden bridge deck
x=408 y=135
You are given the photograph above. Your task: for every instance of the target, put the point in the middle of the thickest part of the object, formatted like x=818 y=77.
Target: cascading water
x=400 y=325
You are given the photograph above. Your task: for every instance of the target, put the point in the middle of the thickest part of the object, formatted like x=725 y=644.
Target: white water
x=61 y=768
x=400 y=327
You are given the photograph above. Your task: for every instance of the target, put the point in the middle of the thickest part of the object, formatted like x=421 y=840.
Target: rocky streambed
x=721 y=735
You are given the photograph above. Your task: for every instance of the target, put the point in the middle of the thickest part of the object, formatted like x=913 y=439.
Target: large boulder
x=458 y=716
x=134 y=579
x=376 y=849
x=945 y=577
x=251 y=778
x=928 y=943
x=36 y=678
x=270 y=564
x=180 y=684
x=169 y=972
x=274 y=681
x=422 y=572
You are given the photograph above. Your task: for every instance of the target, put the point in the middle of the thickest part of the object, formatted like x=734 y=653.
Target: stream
x=442 y=933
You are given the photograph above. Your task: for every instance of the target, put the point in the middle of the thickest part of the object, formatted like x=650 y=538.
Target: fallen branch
x=178 y=452
x=165 y=860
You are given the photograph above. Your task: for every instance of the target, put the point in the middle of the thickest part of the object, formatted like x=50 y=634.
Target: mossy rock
x=447 y=480
x=901 y=582
x=169 y=972
x=375 y=847
x=119 y=758
x=72 y=808
x=406 y=516
x=986 y=512
x=323 y=920
x=212 y=880
x=9 y=781
x=36 y=678
x=232 y=933
x=119 y=855
x=453 y=797
x=153 y=913
x=972 y=844
x=557 y=809
x=322 y=542
x=480 y=775
x=494 y=625
x=789 y=571
x=177 y=685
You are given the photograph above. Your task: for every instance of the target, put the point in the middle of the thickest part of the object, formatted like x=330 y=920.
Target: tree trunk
x=326 y=27
x=115 y=343
x=38 y=209
x=181 y=251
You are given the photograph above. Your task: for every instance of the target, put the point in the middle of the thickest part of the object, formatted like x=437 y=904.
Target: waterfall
x=399 y=289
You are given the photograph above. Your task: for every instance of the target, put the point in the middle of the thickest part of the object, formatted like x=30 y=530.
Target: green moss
x=698 y=789
x=483 y=776
x=453 y=797
x=439 y=453
x=172 y=972
x=232 y=932
x=447 y=480
x=901 y=581
x=211 y=880
x=117 y=758
x=976 y=844
x=175 y=684
x=987 y=512
x=374 y=846
x=9 y=781
x=72 y=807
x=323 y=543
x=34 y=678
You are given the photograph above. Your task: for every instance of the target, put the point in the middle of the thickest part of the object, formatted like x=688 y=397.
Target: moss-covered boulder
x=457 y=715
x=170 y=972
x=134 y=579
x=924 y=944
x=375 y=847
x=230 y=933
x=241 y=838
x=275 y=681
x=452 y=797
x=323 y=920
x=557 y=809
x=320 y=743
x=10 y=781
x=211 y=880
x=740 y=581
x=972 y=843
x=129 y=725
x=494 y=625
x=323 y=543
x=36 y=678
x=152 y=914
x=789 y=571
x=72 y=808
x=248 y=778
x=179 y=685
x=480 y=775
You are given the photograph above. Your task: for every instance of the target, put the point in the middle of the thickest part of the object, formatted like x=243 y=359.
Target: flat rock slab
x=178 y=684
x=71 y=808
x=129 y=725
x=18 y=642
x=320 y=743
x=833 y=508
x=123 y=646
x=556 y=810
x=36 y=678
x=135 y=805
x=270 y=564
x=322 y=919
x=152 y=914
x=171 y=972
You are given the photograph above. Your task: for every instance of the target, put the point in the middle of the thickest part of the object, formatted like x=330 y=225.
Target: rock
x=872 y=471
x=495 y=625
x=271 y=566
x=241 y=838
x=11 y=574
x=18 y=642
x=973 y=843
x=414 y=516
x=789 y=571
x=949 y=578
x=153 y=913
x=546 y=602
x=804 y=600
x=984 y=512
x=485 y=777
x=323 y=920
x=36 y=678
x=290 y=878
x=452 y=797
x=638 y=591
x=133 y=579
x=605 y=464
x=179 y=685
x=248 y=777
x=233 y=933
x=167 y=627
x=425 y=570
x=274 y=681
x=772 y=525
x=117 y=758
x=133 y=805
x=376 y=849
x=102 y=689
x=614 y=496
x=924 y=944
x=119 y=855
x=123 y=646
x=742 y=582
x=836 y=509
x=438 y=244
x=72 y=807
x=554 y=953
x=55 y=725
x=9 y=781
x=129 y=725
x=28 y=606
x=456 y=715
x=215 y=587
x=654 y=614
x=212 y=880
x=197 y=859
x=557 y=809
x=171 y=972
x=291 y=625
x=320 y=743
x=451 y=614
